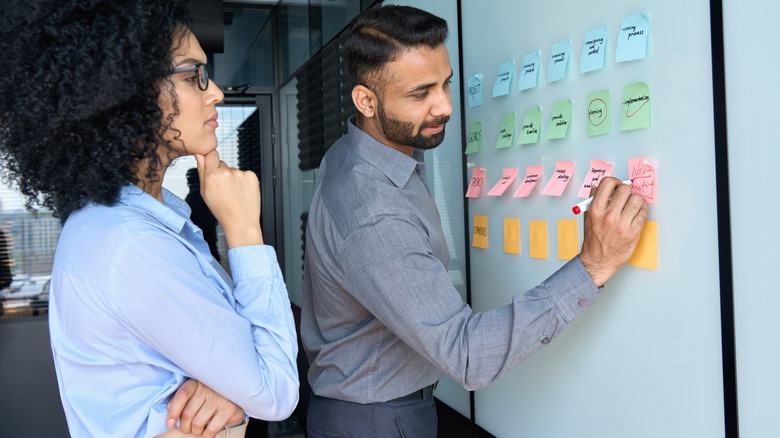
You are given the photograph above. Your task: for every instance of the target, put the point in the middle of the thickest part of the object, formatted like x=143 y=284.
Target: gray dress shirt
x=380 y=317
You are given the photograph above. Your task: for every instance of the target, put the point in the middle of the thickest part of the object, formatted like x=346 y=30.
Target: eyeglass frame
x=203 y=79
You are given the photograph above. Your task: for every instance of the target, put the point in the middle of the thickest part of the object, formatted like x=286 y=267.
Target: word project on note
x=475 y=91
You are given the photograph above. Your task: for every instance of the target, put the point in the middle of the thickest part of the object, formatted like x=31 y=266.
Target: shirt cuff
x=575 y=288
x=253 y=261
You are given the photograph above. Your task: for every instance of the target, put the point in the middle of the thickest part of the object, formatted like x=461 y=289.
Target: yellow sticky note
x=512 y=235
x=480 y=232
x=568 y=239
x=646 y=252
x=538 y=239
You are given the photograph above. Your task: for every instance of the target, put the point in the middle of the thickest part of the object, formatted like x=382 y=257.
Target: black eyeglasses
x=203 y=74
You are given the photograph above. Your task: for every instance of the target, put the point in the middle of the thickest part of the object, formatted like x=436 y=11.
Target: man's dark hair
x=379 y=36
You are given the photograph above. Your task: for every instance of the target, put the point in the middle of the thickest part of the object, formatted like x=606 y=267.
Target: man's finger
x=178 y=401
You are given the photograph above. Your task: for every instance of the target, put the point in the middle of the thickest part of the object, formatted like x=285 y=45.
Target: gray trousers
x=329 y=418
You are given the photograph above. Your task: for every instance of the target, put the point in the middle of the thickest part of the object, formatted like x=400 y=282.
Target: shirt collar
x=397 y=166
x=172 y=213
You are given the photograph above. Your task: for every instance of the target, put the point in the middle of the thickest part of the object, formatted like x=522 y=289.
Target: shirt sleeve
x=247 y=353
x=390 y=268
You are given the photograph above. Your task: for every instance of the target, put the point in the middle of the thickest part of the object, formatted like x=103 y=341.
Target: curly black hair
x=79 y=113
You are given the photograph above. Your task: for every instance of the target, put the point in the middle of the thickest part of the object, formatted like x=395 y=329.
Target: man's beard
x=403 y=132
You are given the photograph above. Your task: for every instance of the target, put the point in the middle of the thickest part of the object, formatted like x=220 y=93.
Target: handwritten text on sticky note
x=507 y=178
x=533 y=174
x=597 y=171
x=477 y=181
x=564 y=171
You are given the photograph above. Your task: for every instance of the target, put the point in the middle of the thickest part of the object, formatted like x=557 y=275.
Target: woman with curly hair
x=96 y=99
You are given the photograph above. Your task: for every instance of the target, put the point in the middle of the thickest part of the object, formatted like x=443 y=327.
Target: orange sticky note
x=480 y=232
x=512 y=235
x=646 y=252
x=564 y=171
x=537 y=236
x=568 y=239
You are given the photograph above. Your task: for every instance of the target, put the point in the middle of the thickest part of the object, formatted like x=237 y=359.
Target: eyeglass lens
x=203 y=77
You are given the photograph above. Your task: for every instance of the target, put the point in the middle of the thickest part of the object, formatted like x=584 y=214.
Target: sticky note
x=480 y=239
x=508 y=176
x=537 y=237
x=597 y=171
x=504 y=79
x=532 y=176
x=477 y=181
x=564 y=171
x=528 y=75
x=532 y=122
x=646 y=253
x=598 y=113
x=512 y=235
x=594 y=50
x=632 y=39
x=568 y=239
x=475 y=91
x=635 y=112
x=475 y=138
x=559 y=120
x=643 y=179
x=506 y=132
x=558 y=65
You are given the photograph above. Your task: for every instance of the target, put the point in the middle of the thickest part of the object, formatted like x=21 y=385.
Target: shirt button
x=546 y=341
x=582 y=303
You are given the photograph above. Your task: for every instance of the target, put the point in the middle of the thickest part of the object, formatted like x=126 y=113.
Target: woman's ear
x=365 y=100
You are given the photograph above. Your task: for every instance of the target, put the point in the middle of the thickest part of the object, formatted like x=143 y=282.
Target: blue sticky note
x=530 y=71
x=504 y=79
x=475 y=91
x=632 y=39
x=559 y=61
x=594 y=50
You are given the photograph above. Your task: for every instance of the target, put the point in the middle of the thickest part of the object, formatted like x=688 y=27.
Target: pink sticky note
x=477 y=181
x=598 y=170
x=564 y=171
x=532 y=176
x=643 y=180
x=509 y=176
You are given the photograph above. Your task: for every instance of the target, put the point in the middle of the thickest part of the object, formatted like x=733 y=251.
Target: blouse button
x=546 y=341
x=582 y=303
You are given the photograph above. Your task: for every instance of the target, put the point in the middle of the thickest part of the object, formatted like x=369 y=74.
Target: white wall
x=752 y=89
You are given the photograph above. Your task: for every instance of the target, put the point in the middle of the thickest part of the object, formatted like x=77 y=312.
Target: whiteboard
x=645 y=359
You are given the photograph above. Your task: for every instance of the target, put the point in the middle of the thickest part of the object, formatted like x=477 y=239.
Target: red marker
x=585 y=205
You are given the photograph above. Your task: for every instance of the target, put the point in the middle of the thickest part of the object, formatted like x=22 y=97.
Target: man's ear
x=365 y=100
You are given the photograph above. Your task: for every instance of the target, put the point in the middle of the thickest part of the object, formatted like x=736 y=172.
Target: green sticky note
x=507 y=131
x=475 y=138
x=559 y=120
x=635 y=113
x=599 y=113
x=532 y=123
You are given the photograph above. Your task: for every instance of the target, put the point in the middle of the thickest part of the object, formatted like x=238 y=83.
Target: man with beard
x=381 y=322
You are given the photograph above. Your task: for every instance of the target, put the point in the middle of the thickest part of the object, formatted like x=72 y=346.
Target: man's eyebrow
x=429 y=85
